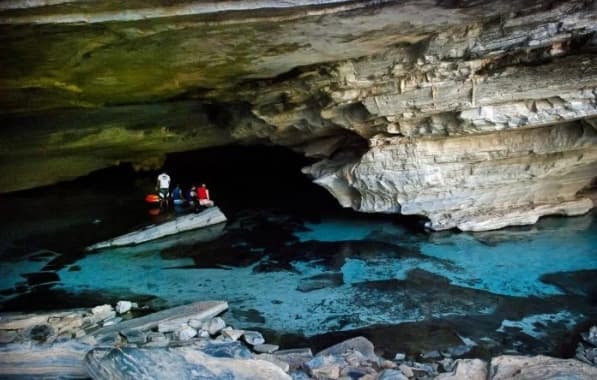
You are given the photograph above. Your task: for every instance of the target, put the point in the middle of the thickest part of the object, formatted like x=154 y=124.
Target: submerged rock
x=321 y=281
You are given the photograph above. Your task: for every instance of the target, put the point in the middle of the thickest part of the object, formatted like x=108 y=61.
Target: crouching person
x=203 y=196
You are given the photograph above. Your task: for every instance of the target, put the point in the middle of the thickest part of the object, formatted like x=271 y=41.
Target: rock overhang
x=352 y=82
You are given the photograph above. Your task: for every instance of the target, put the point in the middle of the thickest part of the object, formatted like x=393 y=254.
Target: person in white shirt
x=163 y=186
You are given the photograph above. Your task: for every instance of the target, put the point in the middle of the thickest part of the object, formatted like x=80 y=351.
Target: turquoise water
x=296 y=300
x=306 y=270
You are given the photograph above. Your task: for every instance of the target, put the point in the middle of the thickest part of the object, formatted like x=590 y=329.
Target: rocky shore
x=194 y=341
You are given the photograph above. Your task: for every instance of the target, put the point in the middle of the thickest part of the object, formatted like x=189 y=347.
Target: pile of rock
x=586 y=350
x=193 y=341
x=50 y=327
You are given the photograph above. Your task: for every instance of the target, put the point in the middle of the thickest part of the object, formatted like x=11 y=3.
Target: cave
x=420 y=172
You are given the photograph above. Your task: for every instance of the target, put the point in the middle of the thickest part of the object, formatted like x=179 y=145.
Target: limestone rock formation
x=476 y=115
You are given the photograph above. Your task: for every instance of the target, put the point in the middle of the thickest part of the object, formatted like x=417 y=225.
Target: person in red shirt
x=203 y=196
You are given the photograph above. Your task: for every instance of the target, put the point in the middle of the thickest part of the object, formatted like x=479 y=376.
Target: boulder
x=539 y=368
x=361 y=344
x=180 y=363
x=466 y=369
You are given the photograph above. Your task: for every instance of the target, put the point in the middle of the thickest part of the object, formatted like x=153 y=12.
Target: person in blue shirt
x=177 y=195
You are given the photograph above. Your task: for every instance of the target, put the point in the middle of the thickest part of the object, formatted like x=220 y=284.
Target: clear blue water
x=307 y=274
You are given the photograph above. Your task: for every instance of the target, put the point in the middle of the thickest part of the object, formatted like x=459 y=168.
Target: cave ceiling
x=85 y=85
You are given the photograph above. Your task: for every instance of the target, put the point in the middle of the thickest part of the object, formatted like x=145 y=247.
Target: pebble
x=215 y=325
x=253 y=338
x=231 y=333
x=123 y=306
x=186 y=332
x=265 y=348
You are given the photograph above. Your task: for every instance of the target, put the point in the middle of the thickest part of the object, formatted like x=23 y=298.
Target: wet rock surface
x=138 y=349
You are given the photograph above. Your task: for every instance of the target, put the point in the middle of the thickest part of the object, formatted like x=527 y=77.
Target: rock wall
x=480 y=126
x=476 y=115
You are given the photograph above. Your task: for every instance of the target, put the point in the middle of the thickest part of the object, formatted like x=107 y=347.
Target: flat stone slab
x=205 y=218
x=174 y=317
x=175 y=364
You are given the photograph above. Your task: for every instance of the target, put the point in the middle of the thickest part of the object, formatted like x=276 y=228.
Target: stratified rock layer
x=477 y=115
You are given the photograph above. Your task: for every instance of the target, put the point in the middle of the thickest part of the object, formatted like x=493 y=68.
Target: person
x=203 y=196
x=177 y=195
x=163 y=187
x=192 y=197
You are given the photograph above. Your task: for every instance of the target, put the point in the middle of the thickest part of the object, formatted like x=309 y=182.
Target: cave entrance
x=248 y=177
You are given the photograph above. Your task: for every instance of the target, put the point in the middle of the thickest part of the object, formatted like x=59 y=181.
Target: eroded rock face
x=475 y=115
